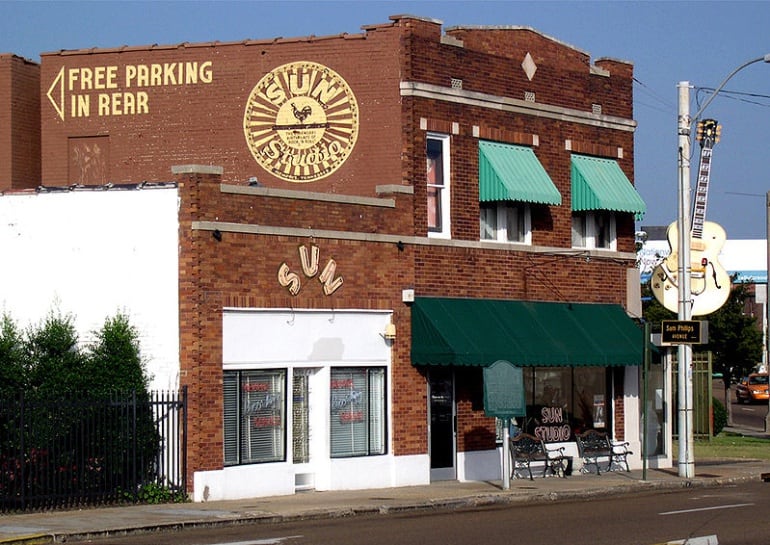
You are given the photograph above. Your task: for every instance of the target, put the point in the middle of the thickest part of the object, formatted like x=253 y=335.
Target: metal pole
x=645 y=383
x=763 y=58
x=506 y=455
x=767 y=306
x=686 y=443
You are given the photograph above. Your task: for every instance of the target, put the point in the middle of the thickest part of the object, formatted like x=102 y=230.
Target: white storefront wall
x=91 y=254
x=315 y=341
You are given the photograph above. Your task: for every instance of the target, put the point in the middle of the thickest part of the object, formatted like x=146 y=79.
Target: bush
x=719 y=415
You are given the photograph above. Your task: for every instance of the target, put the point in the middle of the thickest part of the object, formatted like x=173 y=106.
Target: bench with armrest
x=594 y=445
x=527 y=449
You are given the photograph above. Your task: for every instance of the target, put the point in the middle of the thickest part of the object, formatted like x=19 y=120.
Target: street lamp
x=684 y=307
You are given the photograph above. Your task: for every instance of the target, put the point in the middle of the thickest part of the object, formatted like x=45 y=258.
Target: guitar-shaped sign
x=709 y=282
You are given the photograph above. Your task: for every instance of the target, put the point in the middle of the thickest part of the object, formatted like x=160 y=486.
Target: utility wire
x=668 y=104
x=734 y=95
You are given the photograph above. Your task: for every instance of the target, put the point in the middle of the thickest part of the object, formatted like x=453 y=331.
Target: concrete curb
x=32 y=539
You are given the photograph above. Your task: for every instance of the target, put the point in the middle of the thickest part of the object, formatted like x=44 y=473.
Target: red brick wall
x=204 y=123
x=19 y=123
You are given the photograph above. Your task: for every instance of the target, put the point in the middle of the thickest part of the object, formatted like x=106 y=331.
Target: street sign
x=684 y=332
x=504 y=390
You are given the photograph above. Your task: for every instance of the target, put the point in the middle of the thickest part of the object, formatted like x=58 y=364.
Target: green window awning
x=481 y=331
x=513 y=173
x=600 y=184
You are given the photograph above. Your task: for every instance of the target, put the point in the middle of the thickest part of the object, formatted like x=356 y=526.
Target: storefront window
x=254 y=416
x=357 y=411
x=563 y=401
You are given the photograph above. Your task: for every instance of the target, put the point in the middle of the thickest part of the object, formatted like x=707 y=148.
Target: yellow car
x=752 y=388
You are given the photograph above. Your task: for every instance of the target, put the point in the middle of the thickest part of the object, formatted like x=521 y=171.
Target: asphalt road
x=735 y=514
x=747 y=416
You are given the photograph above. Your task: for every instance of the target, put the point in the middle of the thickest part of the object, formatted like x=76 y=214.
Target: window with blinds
x=254 y=416
x=358 y=412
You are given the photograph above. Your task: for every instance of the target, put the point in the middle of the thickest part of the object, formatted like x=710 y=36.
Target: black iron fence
x=84 y=451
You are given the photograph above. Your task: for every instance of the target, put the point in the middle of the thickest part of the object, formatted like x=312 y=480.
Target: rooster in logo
x=302 y=114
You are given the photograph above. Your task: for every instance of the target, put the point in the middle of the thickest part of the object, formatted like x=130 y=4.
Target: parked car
x=752 y=388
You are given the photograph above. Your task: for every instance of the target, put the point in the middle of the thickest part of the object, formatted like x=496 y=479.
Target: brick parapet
x=19 y=123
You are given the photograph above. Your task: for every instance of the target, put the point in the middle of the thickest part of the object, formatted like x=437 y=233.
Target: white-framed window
x=437 y=176
x=594 y=229
x=505 y=222
x=358 y=411
x=254 y=416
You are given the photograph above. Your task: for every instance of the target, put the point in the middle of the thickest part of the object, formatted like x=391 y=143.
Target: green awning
x=513 y=173
x=600 y=184
x=526 y=333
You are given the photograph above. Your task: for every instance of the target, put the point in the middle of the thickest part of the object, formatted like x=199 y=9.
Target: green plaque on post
x=504 y=390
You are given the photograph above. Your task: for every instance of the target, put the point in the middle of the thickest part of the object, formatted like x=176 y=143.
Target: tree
x=735 y=341
x=115 y=369
x=12 y=373
x=54 y=365
x=113 y=361
x=653 y=311
x=734 y=338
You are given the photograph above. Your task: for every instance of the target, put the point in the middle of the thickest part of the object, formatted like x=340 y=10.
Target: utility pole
x=684 y=308
x=684 y=268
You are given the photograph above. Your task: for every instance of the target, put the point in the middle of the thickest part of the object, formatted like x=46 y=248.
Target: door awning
x=481 y=331
x=600 y=184
x=513 y=173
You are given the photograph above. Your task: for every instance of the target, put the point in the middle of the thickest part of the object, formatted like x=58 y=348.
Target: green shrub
x=720 y=416
x=154 y=493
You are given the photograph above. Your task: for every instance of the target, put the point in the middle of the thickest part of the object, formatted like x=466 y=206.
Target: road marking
x=703 y=540
x=269 y=541
x=732 y=506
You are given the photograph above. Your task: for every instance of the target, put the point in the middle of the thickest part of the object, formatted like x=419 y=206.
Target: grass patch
x=731 y=445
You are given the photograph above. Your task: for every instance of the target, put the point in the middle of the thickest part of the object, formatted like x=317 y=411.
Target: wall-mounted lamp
x=390 y=332
x=217 y=234
x=400 y=246
x=253 y=182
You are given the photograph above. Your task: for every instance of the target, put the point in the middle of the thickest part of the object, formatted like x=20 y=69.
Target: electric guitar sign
x=709 y=282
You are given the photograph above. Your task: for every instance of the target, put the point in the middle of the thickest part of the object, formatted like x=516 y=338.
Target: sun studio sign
x=301 y=122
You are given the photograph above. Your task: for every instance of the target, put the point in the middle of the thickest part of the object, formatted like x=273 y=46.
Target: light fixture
x=390 y=332
x=253 y=182
x=217 y=234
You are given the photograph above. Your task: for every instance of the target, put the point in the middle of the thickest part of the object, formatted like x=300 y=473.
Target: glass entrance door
x=442 y=425
x=300 y=417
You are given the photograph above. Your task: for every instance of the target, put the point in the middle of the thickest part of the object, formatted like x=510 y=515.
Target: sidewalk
x=79 y=525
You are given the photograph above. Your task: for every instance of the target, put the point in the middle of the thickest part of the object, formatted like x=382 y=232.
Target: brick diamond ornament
x=529 y=66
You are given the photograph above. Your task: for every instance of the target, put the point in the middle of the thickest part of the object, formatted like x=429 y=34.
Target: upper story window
x=600 y=190
x=594 y=229
x=505 y=222
x=511 y=179
x=437 y=152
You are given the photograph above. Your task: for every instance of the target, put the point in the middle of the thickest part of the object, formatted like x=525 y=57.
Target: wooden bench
x=594 y=445
x=526 y=449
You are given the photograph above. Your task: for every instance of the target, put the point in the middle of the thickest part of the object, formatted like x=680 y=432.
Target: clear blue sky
x=668 y=42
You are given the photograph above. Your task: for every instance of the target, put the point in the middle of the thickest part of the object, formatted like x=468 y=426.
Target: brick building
x=366 y=222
